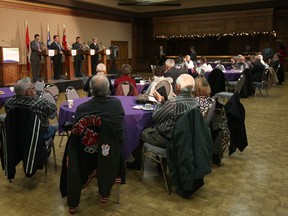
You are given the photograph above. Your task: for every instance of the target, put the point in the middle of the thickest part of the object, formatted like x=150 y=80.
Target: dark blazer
x=58 y=48
x=256 y=72
x=235 y=112
x=174 y=74
x=35 y=54
x=79 y=56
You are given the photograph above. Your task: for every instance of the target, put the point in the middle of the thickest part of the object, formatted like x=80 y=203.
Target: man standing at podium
x=79 y=57
x=57 y=58
x=94 y=58
x=35 y=57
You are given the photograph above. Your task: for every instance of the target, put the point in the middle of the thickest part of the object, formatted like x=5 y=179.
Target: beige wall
x=12 y=25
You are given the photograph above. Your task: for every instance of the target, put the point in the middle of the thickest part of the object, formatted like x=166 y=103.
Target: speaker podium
x=9 y=65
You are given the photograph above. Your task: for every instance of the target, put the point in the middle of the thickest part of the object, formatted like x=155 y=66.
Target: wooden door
x=122 y=53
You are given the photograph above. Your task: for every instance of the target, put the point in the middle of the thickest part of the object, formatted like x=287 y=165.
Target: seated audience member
x=240 y=64
x=202 y=93
x=26 y=96
x=262 y=61
x=126 y=73
x=100 y=69
x=220 y=66
x=180 y=65
x=189 y=64
x=256 y=70
x=203 y=66
x=171 y=71
x=165 y=117
x=157 y=78
x=101 y=104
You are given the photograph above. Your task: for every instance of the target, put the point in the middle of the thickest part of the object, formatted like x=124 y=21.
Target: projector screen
x=10 y=55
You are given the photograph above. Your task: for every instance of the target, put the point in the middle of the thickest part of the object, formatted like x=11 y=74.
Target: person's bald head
x=185 y=83
x=99 y=86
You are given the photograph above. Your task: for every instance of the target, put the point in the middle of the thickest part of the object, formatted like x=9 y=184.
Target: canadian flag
x=64 y=40
x=28 y=47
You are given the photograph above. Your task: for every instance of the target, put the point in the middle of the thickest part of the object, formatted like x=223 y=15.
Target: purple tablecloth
x=231 y=75
x=134 y=121
x=7 y=94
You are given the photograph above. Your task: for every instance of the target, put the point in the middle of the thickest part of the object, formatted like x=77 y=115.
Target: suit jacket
x=96 y=48
x=78 y=47
x=256 y=72
x=58 y=48
x=35 y=55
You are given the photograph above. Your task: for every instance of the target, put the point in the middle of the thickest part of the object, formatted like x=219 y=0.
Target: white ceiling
x=184 y=4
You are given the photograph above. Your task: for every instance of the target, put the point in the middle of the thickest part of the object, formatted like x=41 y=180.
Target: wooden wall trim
x=44 y=8
x=215 y=23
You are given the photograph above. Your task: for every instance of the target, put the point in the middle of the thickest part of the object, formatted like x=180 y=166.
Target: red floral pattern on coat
x=90 y=138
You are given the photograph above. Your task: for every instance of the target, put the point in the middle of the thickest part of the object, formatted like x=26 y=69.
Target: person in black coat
x=257 y=70
x=171 y=71
x=94 y=58
x=57 y=58
x=78 y=58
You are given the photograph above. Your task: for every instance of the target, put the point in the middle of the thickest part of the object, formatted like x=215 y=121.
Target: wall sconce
x=108 y=52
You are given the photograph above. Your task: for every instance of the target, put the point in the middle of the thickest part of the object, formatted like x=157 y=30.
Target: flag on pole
x=28 y=47
x=64 y=40
x=48 y=38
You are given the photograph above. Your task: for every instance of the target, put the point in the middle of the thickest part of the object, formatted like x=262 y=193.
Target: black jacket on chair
x=189 y=151
x=23 y=141
x=93 y=149
x=236 y=123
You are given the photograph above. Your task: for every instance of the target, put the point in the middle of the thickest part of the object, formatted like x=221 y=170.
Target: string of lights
x=218 y=35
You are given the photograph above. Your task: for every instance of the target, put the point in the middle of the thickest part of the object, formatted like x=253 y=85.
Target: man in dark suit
x=35 y=57
x=94 y=58
x=257 y=70
x=171 y=71
x=161 y=56
x=57 y=58
x=78 y=58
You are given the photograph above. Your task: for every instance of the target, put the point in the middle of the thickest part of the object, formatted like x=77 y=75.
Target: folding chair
x=53 y=89
x=264 y=84
x=71 y=93
x=158 y=155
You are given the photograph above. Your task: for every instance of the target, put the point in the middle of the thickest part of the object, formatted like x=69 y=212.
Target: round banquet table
x=7 y=94
x=134 y=120
x=230 y=75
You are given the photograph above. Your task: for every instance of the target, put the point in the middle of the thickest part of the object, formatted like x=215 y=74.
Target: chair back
x=71 y=93
x=53 y=89
x=39 y=86
x=48 y=96
x=217 y=81
x=210 y=113
x=240 y=83
x=164 y=88
x=126 y=89
x=85 y=79
x=266 y=77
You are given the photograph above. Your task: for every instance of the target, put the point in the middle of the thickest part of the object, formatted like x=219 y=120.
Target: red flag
x=28 y=47
x=64 y=42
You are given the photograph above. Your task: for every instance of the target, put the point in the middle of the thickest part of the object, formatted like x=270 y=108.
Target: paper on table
x=152 y=99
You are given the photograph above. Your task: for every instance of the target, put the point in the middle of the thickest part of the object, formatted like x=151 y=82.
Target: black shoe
x=136 y=165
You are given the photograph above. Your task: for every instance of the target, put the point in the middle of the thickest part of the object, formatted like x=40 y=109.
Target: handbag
x=142 y=98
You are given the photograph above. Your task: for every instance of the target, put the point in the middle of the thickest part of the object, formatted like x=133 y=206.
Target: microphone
x=8 y=43
x=86 y=45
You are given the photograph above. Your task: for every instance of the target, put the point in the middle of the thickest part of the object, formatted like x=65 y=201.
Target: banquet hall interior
x=252 y=182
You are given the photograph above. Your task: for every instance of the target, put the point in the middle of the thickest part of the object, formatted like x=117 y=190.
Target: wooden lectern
x=47 y=54
x=103 y=56
x=69 y=66
x=9 y=60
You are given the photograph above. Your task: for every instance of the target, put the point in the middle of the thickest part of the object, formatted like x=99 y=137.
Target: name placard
x=73 y=52
x=92 y=51
x=51 y=52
